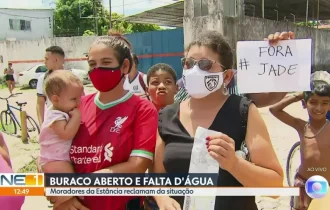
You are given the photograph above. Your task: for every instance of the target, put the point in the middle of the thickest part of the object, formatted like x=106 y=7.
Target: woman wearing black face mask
x=119 y=126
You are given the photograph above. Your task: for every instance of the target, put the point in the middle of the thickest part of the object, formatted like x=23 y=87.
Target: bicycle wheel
x=8 y=123
x=292 y=163
x=33 y=129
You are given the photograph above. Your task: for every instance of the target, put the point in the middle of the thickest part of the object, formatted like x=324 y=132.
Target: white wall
x=41 y=23
x=27 y=53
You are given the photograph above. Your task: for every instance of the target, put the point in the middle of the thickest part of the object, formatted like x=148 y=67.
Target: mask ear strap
x=225 y=90
x=223 y=78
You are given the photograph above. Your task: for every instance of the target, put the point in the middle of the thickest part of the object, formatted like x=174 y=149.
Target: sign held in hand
x=284 y=67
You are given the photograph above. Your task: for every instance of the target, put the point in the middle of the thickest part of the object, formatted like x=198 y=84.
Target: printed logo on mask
x=211 y=82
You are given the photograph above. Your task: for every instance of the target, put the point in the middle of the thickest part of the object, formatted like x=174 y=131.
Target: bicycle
x=9 y=121
x=291 y=169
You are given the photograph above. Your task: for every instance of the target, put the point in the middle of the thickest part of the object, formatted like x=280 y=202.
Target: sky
x=126 y=7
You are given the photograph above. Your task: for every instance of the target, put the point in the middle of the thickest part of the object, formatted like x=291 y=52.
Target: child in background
x=161 y=80
x=321 y=75
x=162 y=87
x=314 y=136
x=61 y=122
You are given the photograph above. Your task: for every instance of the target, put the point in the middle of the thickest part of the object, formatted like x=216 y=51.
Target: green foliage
x=309 y=24
x=75 y=18
x=88 y=33
x=3 y=83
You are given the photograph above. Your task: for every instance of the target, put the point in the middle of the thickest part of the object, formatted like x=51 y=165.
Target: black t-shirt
x=229 y=120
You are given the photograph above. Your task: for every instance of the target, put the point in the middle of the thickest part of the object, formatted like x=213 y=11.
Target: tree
x=127 y=28
x=76 y=18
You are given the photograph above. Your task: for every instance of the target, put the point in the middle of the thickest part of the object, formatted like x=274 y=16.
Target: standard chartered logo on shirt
x=108 y=152
x=89 y=154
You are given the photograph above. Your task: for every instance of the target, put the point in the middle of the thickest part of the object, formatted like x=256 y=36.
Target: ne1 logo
x=14 y=180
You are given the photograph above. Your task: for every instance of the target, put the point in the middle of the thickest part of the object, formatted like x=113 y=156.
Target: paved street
x=283 y=137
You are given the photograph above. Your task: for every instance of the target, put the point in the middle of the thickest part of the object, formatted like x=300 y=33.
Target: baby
x=62 y=121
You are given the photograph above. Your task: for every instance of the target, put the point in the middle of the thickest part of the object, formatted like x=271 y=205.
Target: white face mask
x=199 y=83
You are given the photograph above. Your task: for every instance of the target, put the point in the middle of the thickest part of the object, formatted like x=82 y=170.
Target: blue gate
x=154 y=47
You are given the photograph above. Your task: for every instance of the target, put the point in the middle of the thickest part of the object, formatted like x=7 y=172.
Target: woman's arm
x=4 y=150
x=158 y=166
x=265 y=169
x=278 y=111
x=265 y=99
x=259 y=99
x=144 y=137
x=5 y=71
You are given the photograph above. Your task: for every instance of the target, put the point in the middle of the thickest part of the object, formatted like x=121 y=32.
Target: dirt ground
x=282 y=136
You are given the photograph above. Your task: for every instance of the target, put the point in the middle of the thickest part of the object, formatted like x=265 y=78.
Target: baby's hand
x=75 y=113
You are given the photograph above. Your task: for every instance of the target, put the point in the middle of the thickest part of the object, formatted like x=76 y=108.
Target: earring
x=225 y=89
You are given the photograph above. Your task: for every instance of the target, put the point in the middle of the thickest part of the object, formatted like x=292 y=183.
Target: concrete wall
x=27 y=53
x=249 y=28
x=151 y=48
x=41 y=23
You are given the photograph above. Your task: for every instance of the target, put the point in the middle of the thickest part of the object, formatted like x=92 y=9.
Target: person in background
x=211 y=106
x=326 y=76
x=136 y=81
x=9 y=76
x=8 y=202
x=54 y=60
x=161 y=89
x=314 y=136
x=121 y=126
x=260 y=99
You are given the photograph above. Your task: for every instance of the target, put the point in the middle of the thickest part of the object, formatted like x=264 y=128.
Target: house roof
x=172 y=14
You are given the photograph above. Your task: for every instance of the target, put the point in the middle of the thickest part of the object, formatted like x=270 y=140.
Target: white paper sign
x=285 y=67
x=201 y=162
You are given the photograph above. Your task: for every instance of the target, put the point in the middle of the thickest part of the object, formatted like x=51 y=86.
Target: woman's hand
x=275 y=38
x=71 y=204
x=222 y=148
x=5 y=155
x=4 y=150
x=167 y=203
x=58 y=200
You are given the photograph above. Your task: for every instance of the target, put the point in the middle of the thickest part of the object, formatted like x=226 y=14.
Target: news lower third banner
x=127 y=185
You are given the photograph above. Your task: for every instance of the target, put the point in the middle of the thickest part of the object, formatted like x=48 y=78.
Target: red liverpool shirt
x=109 y=134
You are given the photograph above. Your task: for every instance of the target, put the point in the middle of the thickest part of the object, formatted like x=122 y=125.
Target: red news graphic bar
x=22 y=191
